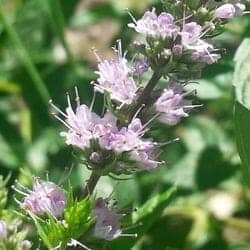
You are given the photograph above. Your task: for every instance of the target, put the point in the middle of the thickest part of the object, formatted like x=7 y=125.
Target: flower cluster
x=151 y=25
x=8 y=237
x=172 y=105
x=115 y=78
x=99 y=136
x=174 y=50
x=108 y=225
x=46 y=197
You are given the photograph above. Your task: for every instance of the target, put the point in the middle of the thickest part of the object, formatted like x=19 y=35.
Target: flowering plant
x=149 y=91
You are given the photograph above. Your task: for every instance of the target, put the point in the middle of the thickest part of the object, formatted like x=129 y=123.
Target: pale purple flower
x=191 y=38
x=172 y=105
x=46 y=197
x=84 y=126
x=205 y=57
x=140 y=150
x=151 y=25
x=81 y=124
x=86 y=129
x=3 y=230
x=108 y=221
x=141 y=66
x=115 y=78
x=177 y=50
x=26 y=245
x=239 y=9
x=225 y=11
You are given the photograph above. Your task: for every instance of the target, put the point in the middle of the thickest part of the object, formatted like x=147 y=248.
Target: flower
x=3 y=230
x=26 y=245
x=108 y=224
x=205 y=57
x=151 y=25
x=191 y=40
x=228 y=10
x=88 y=131
x=46 y=197
x=141 y=66
x=115 y=78
x=225 y=11
x=172 y=105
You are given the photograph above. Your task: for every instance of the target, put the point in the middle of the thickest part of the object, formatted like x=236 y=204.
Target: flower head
x=108 y=221
x=225 y=11
x=3 y=230
x=172 y=105
x=26 y=244
x=115 y=78
x=151 y=25
x=228 y=10
x=46 y=197
x=191 y=40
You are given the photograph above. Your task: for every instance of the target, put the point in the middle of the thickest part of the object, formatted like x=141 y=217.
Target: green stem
x=58 y=24
x=91 y=184
x=144 y=96
x=24 y=57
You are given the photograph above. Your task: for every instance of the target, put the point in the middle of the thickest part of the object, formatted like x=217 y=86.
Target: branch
x=91 y=184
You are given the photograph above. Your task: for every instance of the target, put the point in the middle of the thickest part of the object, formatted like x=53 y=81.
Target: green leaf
x=242 y=74
x=77 y=220
x=145 y=216
x=242 y=125
x=242 y=106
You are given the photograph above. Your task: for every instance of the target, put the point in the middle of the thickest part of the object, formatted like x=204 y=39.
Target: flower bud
x=177 y=50
x=141 y=66
x=26 y=245
x=3 y=230
x=95 y=157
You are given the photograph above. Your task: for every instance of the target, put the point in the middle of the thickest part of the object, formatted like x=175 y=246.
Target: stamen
x=193 y=106
x=61 y=120
x=166 y=143
x=119 y=48
x=93 y=101
x=151 y=120
x=68 y=100
x=17 y=201
x=19 y=191
x=75 y=243
x=77 y=97
x=193 y=91
x=98 y=58
x=130 y=235
x=132 y=17
x=138 y=111
x=57 y=109
x=23 y=187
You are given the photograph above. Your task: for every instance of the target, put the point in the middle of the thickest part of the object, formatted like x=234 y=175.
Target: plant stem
x=144 y=96
x=24 y=57
x=58 y=24
x=91 y=184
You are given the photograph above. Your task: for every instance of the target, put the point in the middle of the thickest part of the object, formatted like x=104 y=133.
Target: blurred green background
x=45 y=50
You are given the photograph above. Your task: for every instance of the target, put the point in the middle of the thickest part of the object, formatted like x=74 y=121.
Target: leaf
x=242 y=125
x=145 y=216
x=77 y=220
x=242 y=74
x=242 y=106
